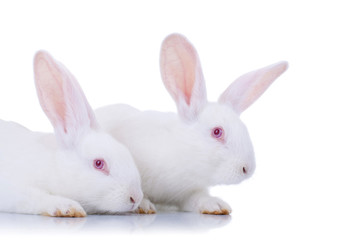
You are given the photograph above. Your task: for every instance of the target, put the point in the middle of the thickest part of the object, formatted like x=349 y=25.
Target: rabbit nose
x=245 y=170
x=134 y=198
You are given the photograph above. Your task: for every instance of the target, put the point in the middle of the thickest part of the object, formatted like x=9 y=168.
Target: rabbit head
x=94 y=168
x=224 y=135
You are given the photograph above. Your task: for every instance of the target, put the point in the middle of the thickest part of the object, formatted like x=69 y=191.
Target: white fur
x=44 y=173
x=176 y=155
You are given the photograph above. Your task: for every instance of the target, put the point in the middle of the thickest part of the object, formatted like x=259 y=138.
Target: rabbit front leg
x=35 y=201
x=56 y=206
x=146 y=207
x=202 y=202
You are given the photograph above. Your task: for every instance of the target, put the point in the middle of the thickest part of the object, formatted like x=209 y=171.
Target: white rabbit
x=206 y=144
x=78 y=170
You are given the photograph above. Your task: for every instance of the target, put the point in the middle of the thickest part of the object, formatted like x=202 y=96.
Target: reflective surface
x=130 y=223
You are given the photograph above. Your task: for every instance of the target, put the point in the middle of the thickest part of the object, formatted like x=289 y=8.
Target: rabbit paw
x=146 y=207
x=63 y=207
x=214 y=206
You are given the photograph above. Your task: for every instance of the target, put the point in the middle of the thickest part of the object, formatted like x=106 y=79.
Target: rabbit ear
x=182 y=76
x=248 y=88
x=62 y=100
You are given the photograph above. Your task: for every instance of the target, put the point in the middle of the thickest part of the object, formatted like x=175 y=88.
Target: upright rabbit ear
x=182 y=76
x=248 y=88
x=62 y=100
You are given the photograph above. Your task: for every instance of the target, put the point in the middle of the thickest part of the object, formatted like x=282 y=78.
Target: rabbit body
x=17 y=143
x=178 y=161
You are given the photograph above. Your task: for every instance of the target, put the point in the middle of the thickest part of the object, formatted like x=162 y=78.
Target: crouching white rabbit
x=206 y=144
x=78 y=170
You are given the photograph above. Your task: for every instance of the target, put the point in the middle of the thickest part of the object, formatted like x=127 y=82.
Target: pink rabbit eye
x=100 y=164
x=217 y=132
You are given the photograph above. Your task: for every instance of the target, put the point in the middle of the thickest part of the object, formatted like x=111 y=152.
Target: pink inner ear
x=49 y=84
x=267 y=77
x=179 y=66
x=248 y=88
x=188 y=59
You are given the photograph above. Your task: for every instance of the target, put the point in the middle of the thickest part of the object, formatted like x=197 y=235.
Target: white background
x=305 y=128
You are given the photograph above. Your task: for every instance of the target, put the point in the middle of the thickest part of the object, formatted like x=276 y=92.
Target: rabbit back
x=22 y=151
